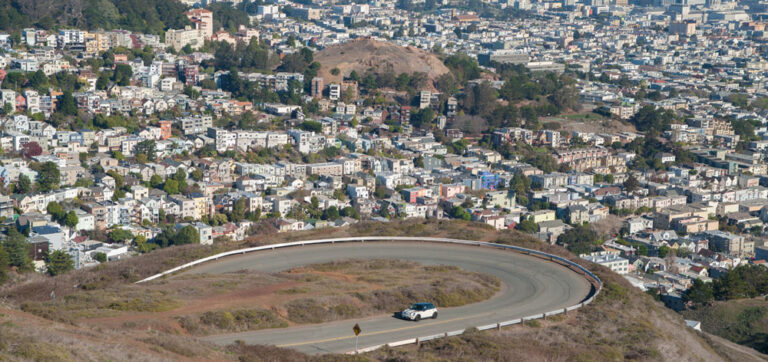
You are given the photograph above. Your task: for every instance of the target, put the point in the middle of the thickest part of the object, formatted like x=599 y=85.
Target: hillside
x=147 y=16
x=364 y=54
x=623 y=323
x=742 y=321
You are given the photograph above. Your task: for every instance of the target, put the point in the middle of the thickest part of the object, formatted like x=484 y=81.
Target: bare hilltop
x=365 y=54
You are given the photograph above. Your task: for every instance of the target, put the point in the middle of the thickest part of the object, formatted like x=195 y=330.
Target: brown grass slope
x=364 y=54
x=623 y=323
x=742 y=321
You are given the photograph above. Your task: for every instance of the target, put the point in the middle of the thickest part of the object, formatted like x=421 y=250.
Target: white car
x=420 y=311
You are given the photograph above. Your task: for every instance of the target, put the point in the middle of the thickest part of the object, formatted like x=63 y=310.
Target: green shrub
x=221 y=320
x=232 y=321
x=306 y=311
x=533 y=323
x=145 y=304
x=294 y=290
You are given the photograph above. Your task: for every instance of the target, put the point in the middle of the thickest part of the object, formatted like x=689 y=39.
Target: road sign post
x=357 y=331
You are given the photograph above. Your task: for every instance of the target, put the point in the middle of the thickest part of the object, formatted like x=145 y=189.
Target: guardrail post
x=418 y=343
x=498 y=326
x=565 y=310
x=446 y=335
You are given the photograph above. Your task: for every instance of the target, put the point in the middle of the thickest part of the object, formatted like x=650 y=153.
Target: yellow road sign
x=357 y=329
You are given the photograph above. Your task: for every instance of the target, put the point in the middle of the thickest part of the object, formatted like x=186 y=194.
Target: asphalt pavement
x=529 y=286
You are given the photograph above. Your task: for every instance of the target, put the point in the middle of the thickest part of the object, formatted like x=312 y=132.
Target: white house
x=612 y=261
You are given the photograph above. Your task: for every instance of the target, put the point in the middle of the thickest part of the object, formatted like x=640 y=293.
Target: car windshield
x=419 y=307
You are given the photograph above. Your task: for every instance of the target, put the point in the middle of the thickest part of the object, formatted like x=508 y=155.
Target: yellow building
x=542 y=215
x=202 y=205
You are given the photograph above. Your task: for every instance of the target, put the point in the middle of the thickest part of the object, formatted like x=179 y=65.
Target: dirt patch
x=590 y=123
x=608 y=226
x=365 y=54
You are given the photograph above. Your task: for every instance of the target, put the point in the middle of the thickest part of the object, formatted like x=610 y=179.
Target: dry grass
x=27 y=338
x=251 y=353
x=178 y=346
x=608 y=226
x=590 y=122
x=354 y=288
x=92 y=305
x=216 y=322
x=742 y=321
x=623 y=324
x=38 y=287
x=364 y=54
x=243 y=301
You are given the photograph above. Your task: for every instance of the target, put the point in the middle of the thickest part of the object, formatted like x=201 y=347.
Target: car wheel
x=417 y=318
x=434 y=316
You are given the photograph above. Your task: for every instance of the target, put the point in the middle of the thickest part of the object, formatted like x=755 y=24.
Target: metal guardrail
x=598 y=284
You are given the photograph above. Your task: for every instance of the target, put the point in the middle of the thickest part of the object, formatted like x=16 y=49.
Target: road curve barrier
x=594 y=280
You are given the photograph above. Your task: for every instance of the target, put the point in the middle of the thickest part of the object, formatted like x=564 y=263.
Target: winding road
x=530 y=285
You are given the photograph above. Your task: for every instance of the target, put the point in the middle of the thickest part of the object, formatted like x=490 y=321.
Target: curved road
x=530 y=286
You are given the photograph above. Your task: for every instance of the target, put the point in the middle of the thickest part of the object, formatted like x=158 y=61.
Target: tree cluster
x=61 y=216
x=145 y=151
x=579 y=240
x=527 y=226
x=746 y=281
x=254 y=56
x=146 y=16
x=48 y=176
x=14 y=253
x=650 y=118
x=370 y=81
x=458 y=212
x=171 y=236
x=58 y=262
x=228 y=17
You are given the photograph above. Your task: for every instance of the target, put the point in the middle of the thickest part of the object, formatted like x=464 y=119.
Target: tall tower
x=203 y=20
x=317 y=87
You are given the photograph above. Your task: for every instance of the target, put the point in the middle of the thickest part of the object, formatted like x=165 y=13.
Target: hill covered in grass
x=743 y=321
x=622 y=324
